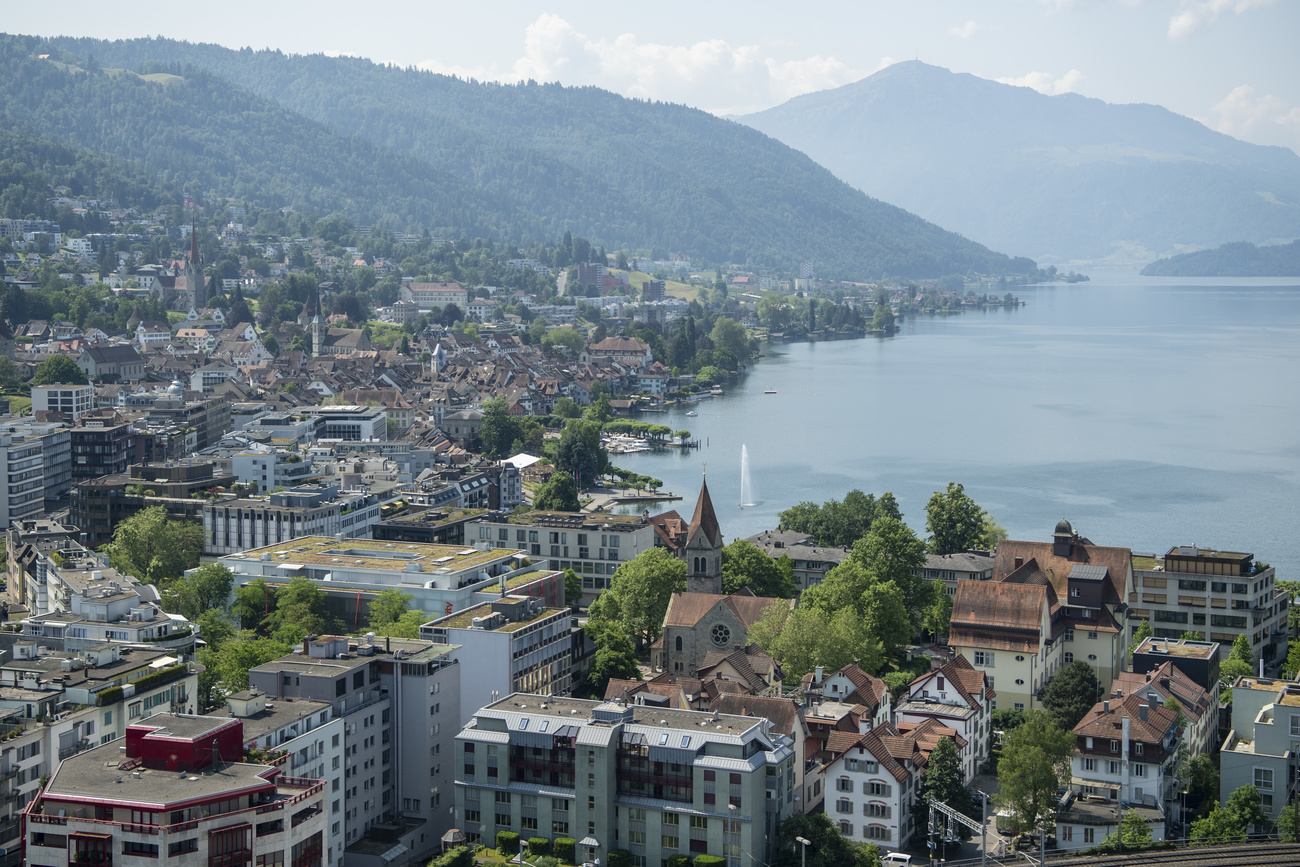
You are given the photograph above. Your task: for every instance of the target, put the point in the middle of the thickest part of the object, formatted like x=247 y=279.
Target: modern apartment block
x=512 y=644
x=1262 y=747
x=74 y=401
x=1220 y=594
x=230 y=526
x=594 y=546
x=399 y=704
x=22 y=496
x=179 y=793
x=652 y=781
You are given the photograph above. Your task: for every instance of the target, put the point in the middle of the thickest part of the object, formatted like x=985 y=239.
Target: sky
x=1231 y=64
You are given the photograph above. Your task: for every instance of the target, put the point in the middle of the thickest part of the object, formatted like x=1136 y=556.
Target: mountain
x=409 y=149
x=1059 y=178
x=1231 y=260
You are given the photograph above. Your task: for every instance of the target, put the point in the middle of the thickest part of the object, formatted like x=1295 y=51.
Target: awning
x=589 y=841
x=393 y=853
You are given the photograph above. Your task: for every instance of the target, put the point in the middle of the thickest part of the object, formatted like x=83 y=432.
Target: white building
x=74 y=401
x=870 y=791
x=270 y=468
x=231 y=526
x=958 y=696
x=23 y=494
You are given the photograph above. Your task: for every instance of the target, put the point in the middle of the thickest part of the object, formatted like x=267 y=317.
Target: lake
x=1150 y=412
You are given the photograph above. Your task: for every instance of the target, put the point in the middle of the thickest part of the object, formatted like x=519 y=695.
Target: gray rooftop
x=285 y=711
x=94 y=775
x=582 y=711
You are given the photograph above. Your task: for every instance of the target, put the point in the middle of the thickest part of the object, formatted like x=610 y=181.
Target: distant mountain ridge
x=1059 y=178
x=1231 y=260
x=519 y=163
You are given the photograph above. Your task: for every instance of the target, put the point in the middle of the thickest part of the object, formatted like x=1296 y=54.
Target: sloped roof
x=1165 y=680
x=1056 y=570
x=785 y=714
x=1006 y=616
x=1101 y=722
x=705 y=520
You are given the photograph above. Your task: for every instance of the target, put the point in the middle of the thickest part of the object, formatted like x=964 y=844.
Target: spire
x=704 y=517
x=194 y=245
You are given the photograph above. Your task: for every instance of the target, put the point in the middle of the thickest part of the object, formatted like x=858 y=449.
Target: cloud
x=1263 y=119
x=1043 y=82
x=712 y=74
x=965 y=31
x=1195 y=13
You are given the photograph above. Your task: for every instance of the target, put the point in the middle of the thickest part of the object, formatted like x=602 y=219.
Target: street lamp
x=803 y=853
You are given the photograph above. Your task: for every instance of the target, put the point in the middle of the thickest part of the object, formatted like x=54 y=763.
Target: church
x=703 y=621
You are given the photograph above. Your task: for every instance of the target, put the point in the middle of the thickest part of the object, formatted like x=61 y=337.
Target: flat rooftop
x=1184 y=648
x=94 y=775
x=1259 y=684
x=180 y=725
x=463 y=619
x=577 y=710
x=921 y=706
x=413 y=650
x=576 y=521
x=374 y=554
x=279 y=713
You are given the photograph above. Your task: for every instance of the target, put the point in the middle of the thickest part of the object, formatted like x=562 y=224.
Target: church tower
x=703 y=549
x=194 y=272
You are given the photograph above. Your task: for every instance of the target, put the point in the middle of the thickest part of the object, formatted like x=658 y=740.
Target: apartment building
x=1124 y=757
x=810 y=563
x=179 y=793
x=1220 y=594
x=269 y=468
x=97 y=506
x=231 y=526
x=56 y=454
x=871 y=781
x=509 y=645
x=22 y=496
x=594 y=546
x=652 y=781
x=73 y=401
x=1264 y=742
x=398 y=701
x=101 y=444
x=957 y=696
x=962 y=566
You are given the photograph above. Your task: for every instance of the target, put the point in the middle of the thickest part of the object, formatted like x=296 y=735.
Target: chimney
x=1105 y=706
x=1119 y=693
x=1151 y=700
x=1142 y=712
x=820 y=672
x=306 y=646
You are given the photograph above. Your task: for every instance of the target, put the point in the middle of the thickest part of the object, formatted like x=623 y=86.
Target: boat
x=770 y=391
x=692 y=412
x=716 y=390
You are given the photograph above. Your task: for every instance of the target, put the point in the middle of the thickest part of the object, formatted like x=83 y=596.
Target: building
x=871 y=785
x=439 y=577
x=511 y=644
x=1166 y=681
x=653 y=781
x=1047 y=604
x=1124 y=757
x=398 y=701
x=1220 y=594
x=434 y=526
x=1261 y=748
x=350 y=423
x=56 y=454
x=22 y=461
x=97 y=506
x=951 y=568
x=1198 y=660
x=179 y=793
x=101 y=444
x=699 y=624
x=72 y=400
x=231 y=526
x=268 y=468
x=431 y=295
x=112 y=363
x=959 y=697
x=810 y=562
x=593 y=546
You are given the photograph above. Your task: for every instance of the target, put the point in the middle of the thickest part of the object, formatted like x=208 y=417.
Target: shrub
x=458 y=857
x=563 y=848
x=619 y=858
x=508 y=843
x=710 y=861
x=679 y=860
x=538 y=846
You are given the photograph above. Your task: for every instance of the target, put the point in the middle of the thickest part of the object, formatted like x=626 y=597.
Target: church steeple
x=703 y=548
x=194 y=271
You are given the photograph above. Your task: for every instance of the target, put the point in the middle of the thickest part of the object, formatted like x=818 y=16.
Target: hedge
x=508 y=842
x=620 y=858
x=710 y=861
x=538 y=846
x=563 y=848
x=679 y=860
x=458 y=857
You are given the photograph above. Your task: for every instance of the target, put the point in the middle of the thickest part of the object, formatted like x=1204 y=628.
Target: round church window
x=721 y=635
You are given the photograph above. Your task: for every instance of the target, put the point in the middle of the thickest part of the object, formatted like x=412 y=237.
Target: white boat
x=770 y=391
x=692 y=412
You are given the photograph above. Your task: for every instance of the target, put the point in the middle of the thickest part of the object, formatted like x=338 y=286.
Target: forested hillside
x=410 y=149
x=1231 y=260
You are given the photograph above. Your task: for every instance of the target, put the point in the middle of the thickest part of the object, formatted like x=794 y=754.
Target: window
x=1089 y=834
x=1113 y=767
x=877 y=788
x=1114 y=746
x=1069 y=657
x=878 y=811
x=1090 y=764
x=1139 y=769
x=1020 y=705
x=1295 y=725
x=669 y=841
x=1069 y=634
x=846 y=829
x=1137 y=749
x=984 y=657
x=844 y=784
x=1067 y=833
x=843 y=805
x=877 y=832
x=1264 y=779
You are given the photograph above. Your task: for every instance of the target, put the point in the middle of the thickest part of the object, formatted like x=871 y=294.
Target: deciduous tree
x=1035 y=761
x=642 y=588
x=955 y=522
x=153 y=548
x=744 y=564
x=557 y=494
x=207 y=588
x=58 y=369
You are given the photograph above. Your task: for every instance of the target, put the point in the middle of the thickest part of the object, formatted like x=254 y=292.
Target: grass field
x=675 y=288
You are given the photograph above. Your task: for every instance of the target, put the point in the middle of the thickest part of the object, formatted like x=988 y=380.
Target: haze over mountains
x=1058 y=178
x=408 y=150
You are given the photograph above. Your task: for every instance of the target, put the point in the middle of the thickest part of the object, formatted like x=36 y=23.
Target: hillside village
x=327 y=517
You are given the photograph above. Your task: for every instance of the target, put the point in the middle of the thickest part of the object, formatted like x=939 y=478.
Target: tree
x=566 y=336
x=1142 y=634
x=567 y=407
x=1241 y=650
x=1133 y=833
x=614 y=656
x=387 y=608
x=642 y=588
x=938 y=615
x=1218 y=827
x=944 y=782
x=253 y=605
x=1244 y=805
x=499 y=429
x=572 y=589
x=891 y=552
x=955 y=522
x=242 y=653
x=744 y=564
x=59 y=369
x=207 y=588
x=300 y=610
x=810 y=636
x=730 y=335
x=579 y=452
x=271 y=344
x=153 y=548
x=827 y=847
x=1072 y=693
x=557 y=494
x=1035 y=761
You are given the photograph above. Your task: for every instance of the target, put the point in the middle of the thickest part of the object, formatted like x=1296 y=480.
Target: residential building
x=963 y=566
x=181 y=487
x=232 y=526
x=1264 y=742
x=22 y=461
x=1047 y=605
x=439 y=577
x=509 y=645
x=810 y=562
x=1199 y=708
x=101 y=444
x=871 y=786
x=957 y=696
x=56 y=455
x=179 y=793
x=1125 y=756
x=72 y=400
x=267 y=468
x=653 y=781
x=1198 y=660
x=431 y=295
x=399 y=704
x=435 y=526
x=593 y=546
x=1220 y=594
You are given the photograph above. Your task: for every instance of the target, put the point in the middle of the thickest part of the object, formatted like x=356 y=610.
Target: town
x=297 y=510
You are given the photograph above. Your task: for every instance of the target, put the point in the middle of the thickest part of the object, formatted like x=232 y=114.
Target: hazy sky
x=1232 y=64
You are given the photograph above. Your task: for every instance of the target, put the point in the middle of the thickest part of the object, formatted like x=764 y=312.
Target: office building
x=73 y=401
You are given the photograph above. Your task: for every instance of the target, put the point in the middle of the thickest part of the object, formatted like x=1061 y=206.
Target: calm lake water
x=1149 y=412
